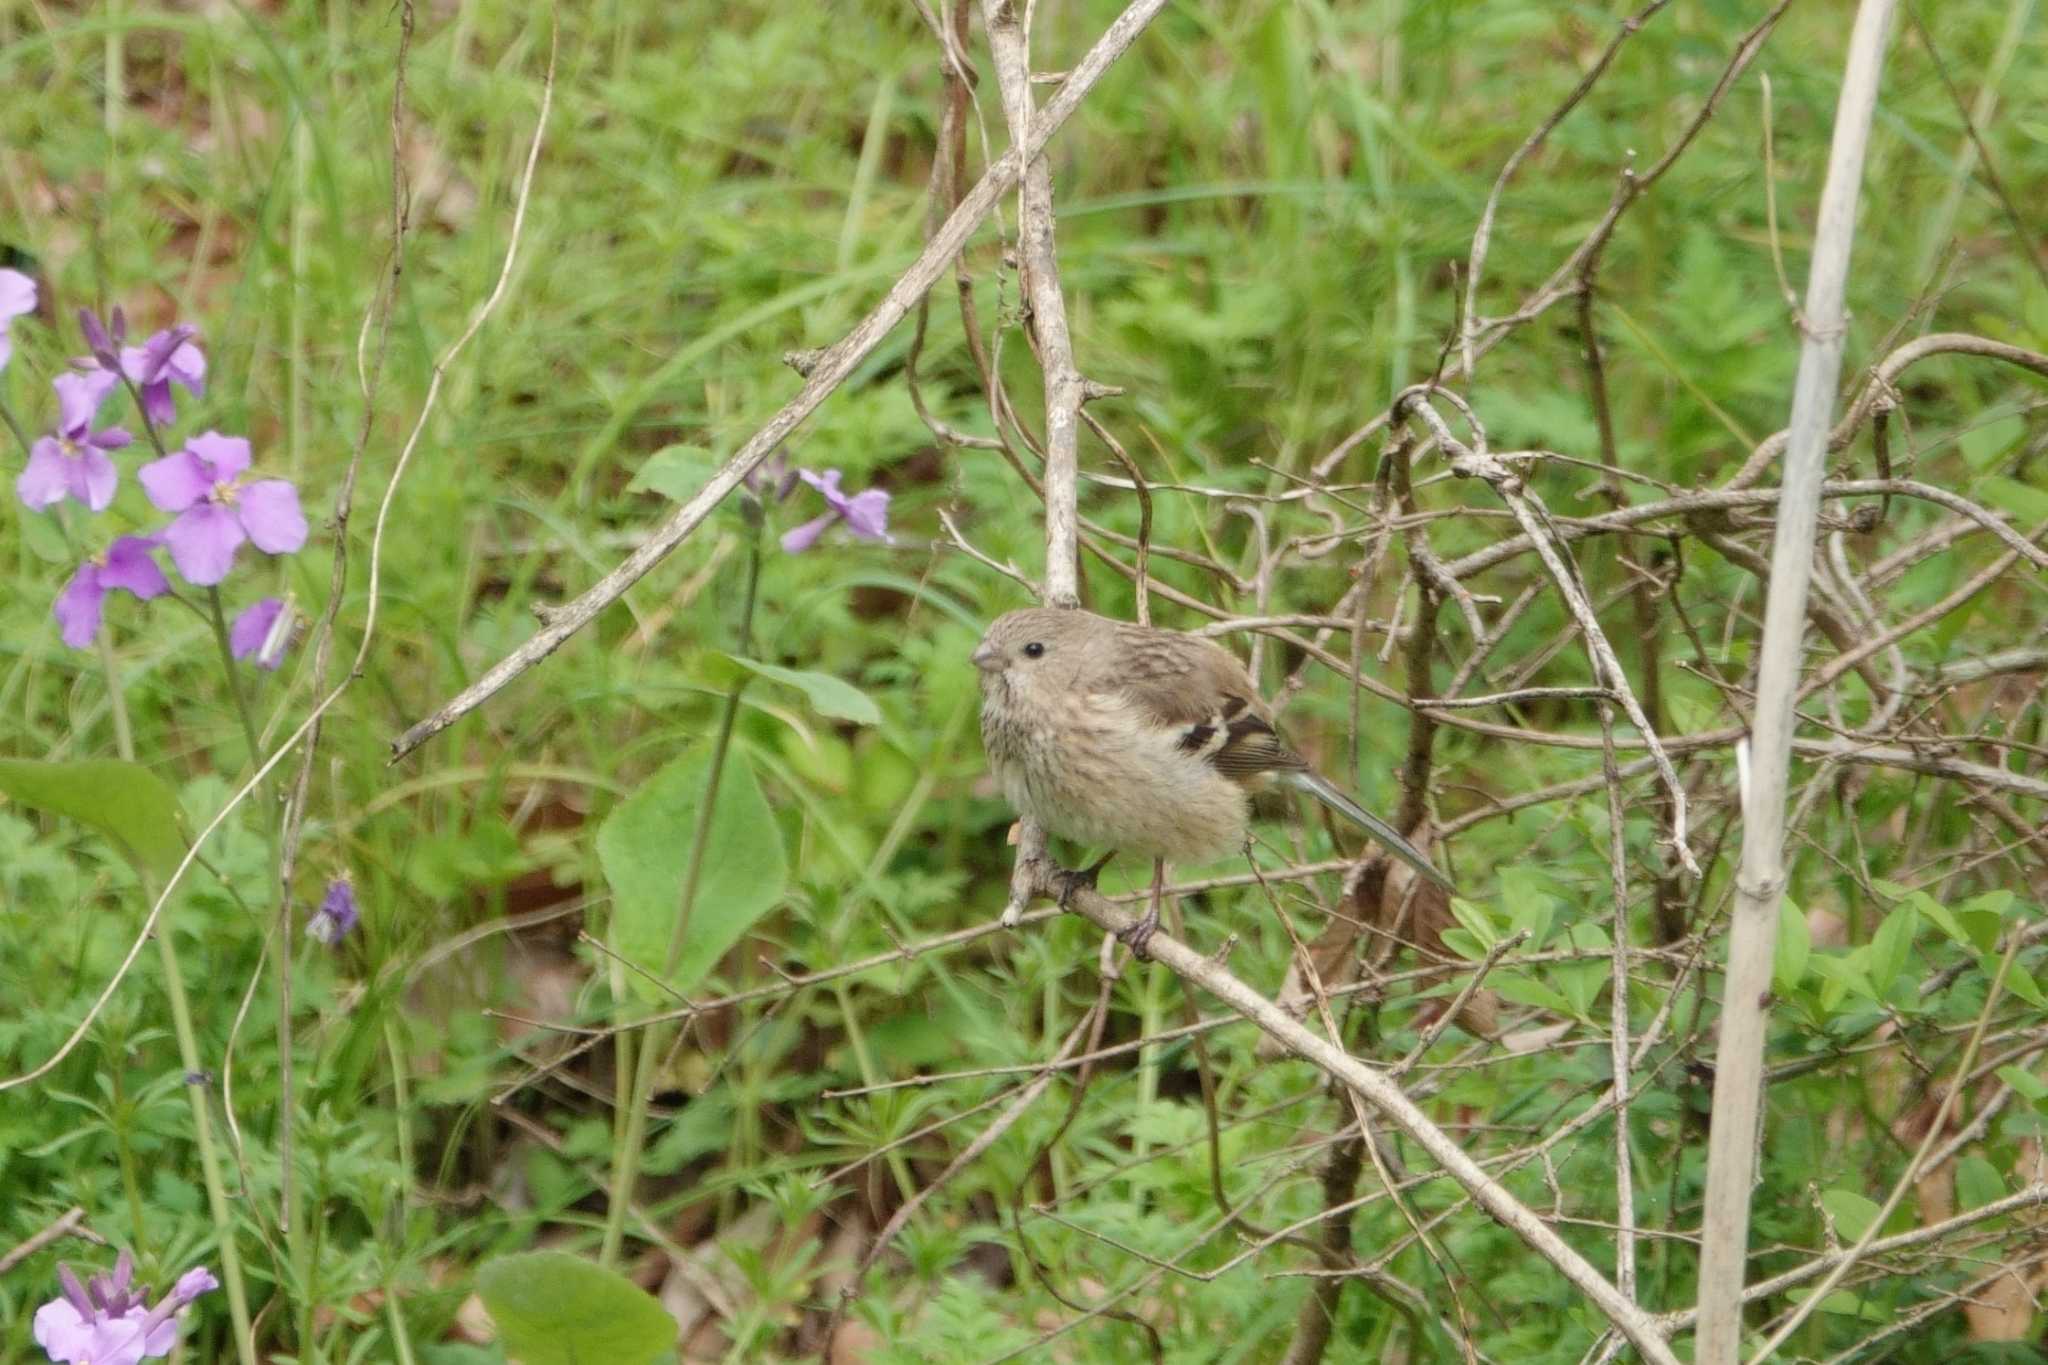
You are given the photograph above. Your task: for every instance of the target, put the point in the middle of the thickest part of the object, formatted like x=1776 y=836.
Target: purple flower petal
x=93 y=477
x=78 y=606
x=337 y=914
x=105 y=348
x=62 y=1331
x=130 y=566
x=17 y=296
x=828 y=484
x=79 y=395
x=109 y=438
x=203 y=541
x=156 y=403
x=193 y=1283
x=46 y=478
x=867 y=515
x=798 y=539
x=227 y=455
x=271 y=516
x=252 y=628
x=6 y=345
x=177 y=481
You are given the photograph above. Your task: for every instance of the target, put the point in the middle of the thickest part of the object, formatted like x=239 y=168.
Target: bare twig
x=1738 y=1071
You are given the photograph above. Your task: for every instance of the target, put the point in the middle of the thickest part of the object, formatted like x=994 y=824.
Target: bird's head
x=1036 y=647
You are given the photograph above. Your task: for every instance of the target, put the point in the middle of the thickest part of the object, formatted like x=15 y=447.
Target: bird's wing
x=1198 y=688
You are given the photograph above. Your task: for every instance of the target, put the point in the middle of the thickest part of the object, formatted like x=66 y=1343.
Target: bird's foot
x=1136 y=936
x=1070 y=880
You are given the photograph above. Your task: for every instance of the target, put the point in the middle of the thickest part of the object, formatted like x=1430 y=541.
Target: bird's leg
x=1140 y=934
x=1071 y=880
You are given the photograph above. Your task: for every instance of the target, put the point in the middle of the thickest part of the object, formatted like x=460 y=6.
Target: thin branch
x=1738 y=1070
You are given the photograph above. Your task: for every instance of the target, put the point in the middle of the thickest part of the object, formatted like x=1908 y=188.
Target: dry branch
x=1738 y=1071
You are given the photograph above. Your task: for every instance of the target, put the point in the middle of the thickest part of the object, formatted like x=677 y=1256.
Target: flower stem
x=218 y=619
x=188 y=1055
x=653 y=1040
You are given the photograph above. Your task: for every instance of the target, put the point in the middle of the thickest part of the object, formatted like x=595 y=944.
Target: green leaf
x=1476 y=923
x=1528 y=904
x=834 y=698
x=1890 y=945
x=124 y=801
x=1977 y=1183
x=644 y=847
x=552 y=1308
x=2020 y=982
x=1519 y=988
x=2024 y=1083
x=1852 y=1212
x=675 y=472
x=1795 y=945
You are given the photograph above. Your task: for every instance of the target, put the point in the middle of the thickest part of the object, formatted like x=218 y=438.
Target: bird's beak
x=988 y=659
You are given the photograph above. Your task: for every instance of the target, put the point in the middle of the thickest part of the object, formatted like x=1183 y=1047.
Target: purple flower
x=126 y=565
x=103 y=1321
x=106 y=350
x=216 y=510
x=73 y=461
x=262 y=630
x=17 y=297
x=866 y=513
x=154 y=366
x=772 y=480
x=337 y=914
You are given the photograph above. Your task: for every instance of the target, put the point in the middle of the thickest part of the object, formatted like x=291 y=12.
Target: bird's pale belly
x=1103 y=781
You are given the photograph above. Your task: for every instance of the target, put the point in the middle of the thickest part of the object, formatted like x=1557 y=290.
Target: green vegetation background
x=1264 y=211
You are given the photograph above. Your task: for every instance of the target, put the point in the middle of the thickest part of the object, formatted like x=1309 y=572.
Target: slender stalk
x=195 y=1074
x=653 y=1044
x=1760 y=884
x=281 y=961
x=217 y=618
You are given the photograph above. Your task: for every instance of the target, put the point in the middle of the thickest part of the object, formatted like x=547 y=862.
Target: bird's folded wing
x=1203 y=692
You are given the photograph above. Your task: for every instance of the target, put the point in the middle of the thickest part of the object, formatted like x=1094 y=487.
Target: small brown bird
x=1139 y=740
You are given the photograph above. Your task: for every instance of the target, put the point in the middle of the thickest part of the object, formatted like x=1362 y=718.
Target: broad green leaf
x=552 y=1308
x=1476 y=921
x=124 y=801
x=1977 y=1183
x=675 y=472
x=1529 y=906
x=2024 y=1083
x=1795 y=945
x=1519 y=988
x=2020 y=982
x=834 y=698
x=1852 y=1212
x=1890 y=945
x=1944 y=919
x=1464 y=944
x=1842 y=975
x=644 y=847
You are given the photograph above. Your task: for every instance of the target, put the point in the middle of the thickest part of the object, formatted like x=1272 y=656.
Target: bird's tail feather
x=1323 y=790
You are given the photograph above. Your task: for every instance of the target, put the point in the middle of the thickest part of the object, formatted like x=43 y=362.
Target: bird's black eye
x=1034 y=650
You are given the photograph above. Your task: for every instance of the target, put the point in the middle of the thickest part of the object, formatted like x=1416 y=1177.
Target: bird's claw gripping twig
x=1070 y=880
x=1135 y=936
